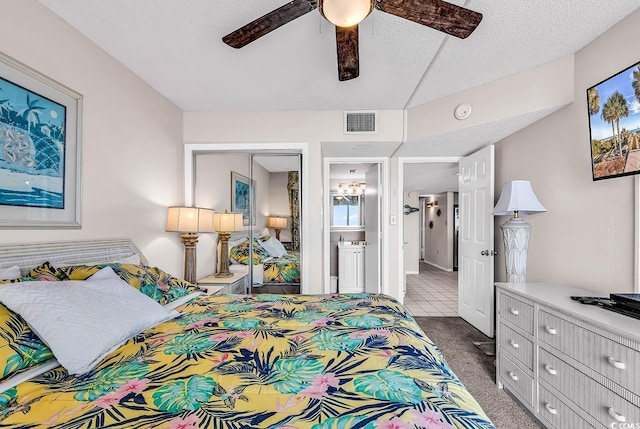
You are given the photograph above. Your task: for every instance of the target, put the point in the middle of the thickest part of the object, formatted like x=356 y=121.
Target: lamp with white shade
x=226 y=223
x=190 y=221
x=517 y=198
x=277 y=223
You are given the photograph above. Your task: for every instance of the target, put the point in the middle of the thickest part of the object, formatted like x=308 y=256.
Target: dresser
x=572 y=365
x=236 y=284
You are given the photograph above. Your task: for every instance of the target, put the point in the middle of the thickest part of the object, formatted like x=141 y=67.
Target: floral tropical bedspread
x=268 y=361
x=283 y=270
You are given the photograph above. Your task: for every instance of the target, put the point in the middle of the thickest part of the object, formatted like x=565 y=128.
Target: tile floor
x=433 y=292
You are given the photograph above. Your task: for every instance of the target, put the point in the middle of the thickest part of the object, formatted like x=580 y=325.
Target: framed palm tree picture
x=40 y=136
x=614 y=124
x=243 y=197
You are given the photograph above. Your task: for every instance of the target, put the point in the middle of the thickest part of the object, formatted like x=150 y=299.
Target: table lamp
x=226 y=223
x=517 y=198
x=190 y=221
x=277 y=223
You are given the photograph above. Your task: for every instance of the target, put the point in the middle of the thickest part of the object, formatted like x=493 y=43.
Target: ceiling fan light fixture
x=345 y=13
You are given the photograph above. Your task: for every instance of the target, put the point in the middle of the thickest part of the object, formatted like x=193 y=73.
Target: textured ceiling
x=175 y=45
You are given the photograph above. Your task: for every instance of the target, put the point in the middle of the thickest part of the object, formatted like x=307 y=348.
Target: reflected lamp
x=277 y=223
x=224 y=224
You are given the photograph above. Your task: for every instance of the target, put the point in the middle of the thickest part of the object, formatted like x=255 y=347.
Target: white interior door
x=475 y=276
x=372 y=235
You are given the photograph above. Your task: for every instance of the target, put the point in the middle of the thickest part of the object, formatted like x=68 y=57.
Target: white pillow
x=83 y=321
x=10 y=273
x=274 y=247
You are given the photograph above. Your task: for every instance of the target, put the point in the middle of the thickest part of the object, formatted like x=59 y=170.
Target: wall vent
x=361 y=122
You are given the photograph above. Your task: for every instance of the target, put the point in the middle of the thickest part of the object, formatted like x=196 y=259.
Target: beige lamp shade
x=276 y=222
x=190 y=219
x=228 y=221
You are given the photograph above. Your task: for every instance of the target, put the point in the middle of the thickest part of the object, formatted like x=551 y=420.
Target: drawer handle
x=514 y=344
x=514 y=311
x=550 y=409
x=550 y=370
x=616 y=416
x=617 y=363
x=515 y=377
x=550 y=330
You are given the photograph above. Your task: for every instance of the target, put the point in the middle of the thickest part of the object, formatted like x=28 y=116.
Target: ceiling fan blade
x=442 y=16
x=348 y=52
x=269 y=22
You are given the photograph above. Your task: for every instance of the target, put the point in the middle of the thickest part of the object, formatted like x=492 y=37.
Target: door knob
x=489 y=252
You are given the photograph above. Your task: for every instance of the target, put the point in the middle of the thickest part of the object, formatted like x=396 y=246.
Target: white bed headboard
x=79 y=252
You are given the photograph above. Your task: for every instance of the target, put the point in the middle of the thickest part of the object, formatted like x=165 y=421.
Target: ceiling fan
x=347 y=14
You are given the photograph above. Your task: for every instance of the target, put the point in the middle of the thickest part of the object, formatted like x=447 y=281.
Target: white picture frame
x=40 y=150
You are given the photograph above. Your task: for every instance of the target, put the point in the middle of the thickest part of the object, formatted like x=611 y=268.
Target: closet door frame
x=193 y=149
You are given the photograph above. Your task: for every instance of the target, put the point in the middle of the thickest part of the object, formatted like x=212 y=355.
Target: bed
x=272 y=263
x=236 y=361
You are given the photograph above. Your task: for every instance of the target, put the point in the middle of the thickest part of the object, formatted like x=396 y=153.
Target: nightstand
x=224 y=285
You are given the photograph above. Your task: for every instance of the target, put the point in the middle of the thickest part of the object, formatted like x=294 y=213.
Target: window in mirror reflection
x=347 y=210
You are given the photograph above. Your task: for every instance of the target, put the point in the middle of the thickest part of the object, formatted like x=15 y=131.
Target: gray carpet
x=475 y=368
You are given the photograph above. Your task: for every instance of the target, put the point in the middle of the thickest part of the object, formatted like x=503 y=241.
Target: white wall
x=538 y=89
x=586 y=238
x=411 y=233
x=132 y=136
x=313 y=128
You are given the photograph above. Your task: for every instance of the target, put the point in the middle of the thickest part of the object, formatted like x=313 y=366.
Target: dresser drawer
x=517 y=311
x=612 y=360
x=515 y=344
x=595 y=399
x=557 y=413
x=515 y=379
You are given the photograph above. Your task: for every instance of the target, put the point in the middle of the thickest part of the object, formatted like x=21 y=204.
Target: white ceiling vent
x=361 y=122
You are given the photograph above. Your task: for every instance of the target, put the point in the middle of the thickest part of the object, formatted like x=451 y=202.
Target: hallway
x=433 y=292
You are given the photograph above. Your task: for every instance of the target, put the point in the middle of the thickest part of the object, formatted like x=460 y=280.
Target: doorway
x=354 y=234
x=475 y=179
x=429 y=194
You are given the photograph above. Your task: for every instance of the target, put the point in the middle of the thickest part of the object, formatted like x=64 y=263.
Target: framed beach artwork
x=614 y=124
x=243 y=197
x=40 y=139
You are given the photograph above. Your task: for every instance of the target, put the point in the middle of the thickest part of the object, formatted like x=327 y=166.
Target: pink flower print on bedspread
x=130 y=389
x=190 y=422
x=394 y=423
x=430 y=420
x=320 y=386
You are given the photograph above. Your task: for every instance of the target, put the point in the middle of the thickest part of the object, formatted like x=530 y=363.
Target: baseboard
x=449 y=270
x=412 y=272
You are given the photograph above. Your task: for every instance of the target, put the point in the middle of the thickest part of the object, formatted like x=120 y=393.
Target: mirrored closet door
x=277 y=264
x=263 y=188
